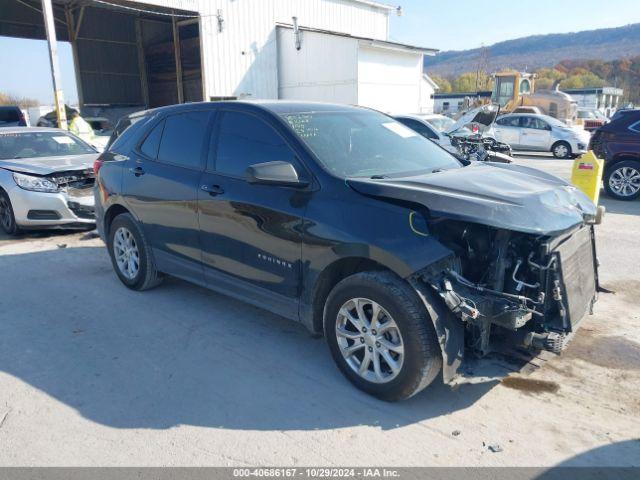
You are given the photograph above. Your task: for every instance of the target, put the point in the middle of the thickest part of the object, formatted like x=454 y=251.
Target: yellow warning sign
x=587 y=175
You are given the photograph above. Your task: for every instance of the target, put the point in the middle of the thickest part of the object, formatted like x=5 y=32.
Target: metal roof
x=371 y=41
x=376 y=4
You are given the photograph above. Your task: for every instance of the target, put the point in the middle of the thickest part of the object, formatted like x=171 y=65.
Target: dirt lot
x=94 y=374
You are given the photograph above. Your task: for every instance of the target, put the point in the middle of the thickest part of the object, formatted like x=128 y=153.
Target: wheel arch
x=328 y=278
x=621 y=157
x=112 y=212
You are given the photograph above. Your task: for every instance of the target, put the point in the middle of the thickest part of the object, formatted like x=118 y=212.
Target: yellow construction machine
x=515 y=92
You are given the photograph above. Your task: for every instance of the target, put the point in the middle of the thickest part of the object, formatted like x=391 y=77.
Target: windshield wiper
x=378 y=177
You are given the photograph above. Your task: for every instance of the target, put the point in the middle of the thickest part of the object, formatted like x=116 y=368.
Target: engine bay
x=499 y=281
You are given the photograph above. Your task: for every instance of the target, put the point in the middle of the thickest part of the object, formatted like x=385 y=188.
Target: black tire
x=561 y=149
x=422 y=356
x=616 y=171
x=147 y=276
x=7 y=217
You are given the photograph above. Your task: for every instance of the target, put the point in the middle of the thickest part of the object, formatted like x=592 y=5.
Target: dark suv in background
x=12 y=116
x=346 y=220
x=618 y=143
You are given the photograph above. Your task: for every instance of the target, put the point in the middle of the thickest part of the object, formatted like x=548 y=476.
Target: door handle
x=212 y=190
x=137 y=171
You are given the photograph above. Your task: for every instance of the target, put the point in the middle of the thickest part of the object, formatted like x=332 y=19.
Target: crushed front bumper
x=66 y=209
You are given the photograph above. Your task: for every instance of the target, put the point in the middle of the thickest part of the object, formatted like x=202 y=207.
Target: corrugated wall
x=108 y=58
x=242 y=59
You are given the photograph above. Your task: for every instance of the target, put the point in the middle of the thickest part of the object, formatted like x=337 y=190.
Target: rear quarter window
x=126 y=130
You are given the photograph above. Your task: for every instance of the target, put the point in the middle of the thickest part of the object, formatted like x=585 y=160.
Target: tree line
x=622 y=73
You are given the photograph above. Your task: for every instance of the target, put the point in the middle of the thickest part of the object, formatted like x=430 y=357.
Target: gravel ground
x=94 y=374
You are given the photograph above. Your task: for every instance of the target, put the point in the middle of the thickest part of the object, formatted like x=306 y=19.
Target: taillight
x=97 y=165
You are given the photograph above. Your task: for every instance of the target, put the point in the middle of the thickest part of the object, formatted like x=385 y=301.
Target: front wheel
x=7 y=217
x=380 y=335
x=622 y=180
x=561 y=150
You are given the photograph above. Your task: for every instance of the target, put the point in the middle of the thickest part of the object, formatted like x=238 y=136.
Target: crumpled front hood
x=500 y=195
x=47 y=165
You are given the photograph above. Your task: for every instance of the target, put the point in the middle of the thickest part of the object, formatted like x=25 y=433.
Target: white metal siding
x=324 y=69
x=389 y=80
x=426 y=96
x=242 y=59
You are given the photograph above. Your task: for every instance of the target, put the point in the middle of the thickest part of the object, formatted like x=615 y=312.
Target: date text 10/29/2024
x=315 y=472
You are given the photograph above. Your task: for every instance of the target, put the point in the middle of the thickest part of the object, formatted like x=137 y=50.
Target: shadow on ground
x=178 y=354
x=622 y=207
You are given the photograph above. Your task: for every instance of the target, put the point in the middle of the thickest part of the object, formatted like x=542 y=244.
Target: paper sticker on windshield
x=399 y=129
x=64 y=140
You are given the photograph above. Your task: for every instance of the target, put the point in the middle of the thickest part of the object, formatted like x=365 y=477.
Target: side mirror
x=274 y=173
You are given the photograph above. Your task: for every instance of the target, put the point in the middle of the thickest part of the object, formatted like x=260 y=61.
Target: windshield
x=40 y=144
x=368 y=143
x=440 y=123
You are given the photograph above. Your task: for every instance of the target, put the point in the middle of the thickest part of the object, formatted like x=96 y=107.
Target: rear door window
x=183 y=139
x=244 y=140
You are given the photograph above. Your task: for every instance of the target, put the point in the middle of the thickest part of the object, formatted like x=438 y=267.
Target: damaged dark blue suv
x=346 y=220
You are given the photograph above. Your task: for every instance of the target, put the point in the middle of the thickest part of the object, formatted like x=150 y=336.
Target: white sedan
x=46 y=180
x=527 y=131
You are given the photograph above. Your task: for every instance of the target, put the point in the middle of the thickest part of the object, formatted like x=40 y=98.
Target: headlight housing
x=35 y=184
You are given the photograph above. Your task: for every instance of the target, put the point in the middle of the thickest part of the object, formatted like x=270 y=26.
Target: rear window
x=9 y=115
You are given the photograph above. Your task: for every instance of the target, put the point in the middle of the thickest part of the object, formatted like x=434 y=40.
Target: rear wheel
x=380 y=336
x=561 y=150
x=131 y=254
x=7 y=217
x=622 y=180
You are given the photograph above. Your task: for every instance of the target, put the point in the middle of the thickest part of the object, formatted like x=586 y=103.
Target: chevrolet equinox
x=347 y=221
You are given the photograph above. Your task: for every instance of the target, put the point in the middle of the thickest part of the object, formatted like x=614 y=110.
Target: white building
x=147 y=53
x=454 y=102
x=428 y=89
x=605 y=99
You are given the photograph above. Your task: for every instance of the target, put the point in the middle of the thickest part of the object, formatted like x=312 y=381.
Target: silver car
x=46 y=180
x=528 y=131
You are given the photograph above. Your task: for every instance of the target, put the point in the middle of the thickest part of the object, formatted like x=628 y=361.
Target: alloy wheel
x=625 y=181
x=126 y=253
x=369 y=340
x=561 y=151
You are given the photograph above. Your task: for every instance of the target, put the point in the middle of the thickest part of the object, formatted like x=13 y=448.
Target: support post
x=142 y=65
x=74 y=29
x=176 y=47
x=50 y=28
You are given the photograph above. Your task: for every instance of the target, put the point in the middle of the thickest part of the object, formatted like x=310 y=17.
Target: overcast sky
x=446 y=25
